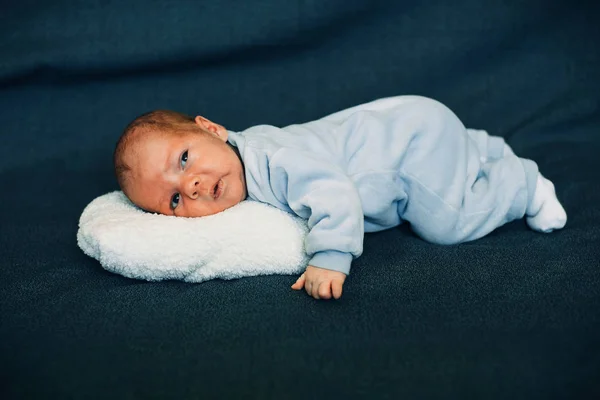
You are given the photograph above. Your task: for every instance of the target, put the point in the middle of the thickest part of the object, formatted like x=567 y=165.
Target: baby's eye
x=184 y=158
x=174 y=201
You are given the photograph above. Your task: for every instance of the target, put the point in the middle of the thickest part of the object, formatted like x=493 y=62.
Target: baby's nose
x=193 y=188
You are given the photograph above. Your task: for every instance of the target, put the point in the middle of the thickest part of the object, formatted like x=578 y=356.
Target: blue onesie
x=373 y=166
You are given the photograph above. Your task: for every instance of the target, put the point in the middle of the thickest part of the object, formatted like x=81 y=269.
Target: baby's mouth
x=218 y=189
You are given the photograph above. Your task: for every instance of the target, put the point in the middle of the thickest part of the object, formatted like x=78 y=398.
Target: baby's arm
x=381 y=105
x=321 y=193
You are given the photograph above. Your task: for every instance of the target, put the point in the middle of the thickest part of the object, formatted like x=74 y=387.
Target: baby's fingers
x=299 y=283
x=324 y=291
x=336 y=288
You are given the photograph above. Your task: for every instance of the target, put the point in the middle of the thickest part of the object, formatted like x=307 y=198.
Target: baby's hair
x=153 y=121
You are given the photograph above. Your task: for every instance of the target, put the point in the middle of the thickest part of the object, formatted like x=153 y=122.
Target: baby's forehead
x=142 y=145
x=149 y=137
x=148 y=143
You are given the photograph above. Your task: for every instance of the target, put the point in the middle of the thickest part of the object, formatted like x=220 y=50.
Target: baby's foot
x=545 y=213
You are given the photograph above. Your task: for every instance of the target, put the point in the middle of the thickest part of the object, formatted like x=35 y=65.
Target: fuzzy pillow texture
x=248 y=239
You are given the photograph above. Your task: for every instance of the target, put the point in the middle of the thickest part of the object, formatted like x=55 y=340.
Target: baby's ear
x=212 y=127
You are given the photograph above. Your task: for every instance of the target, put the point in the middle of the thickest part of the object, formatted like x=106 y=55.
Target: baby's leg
x=490 y=147
x=544 y=213
x=460 y=190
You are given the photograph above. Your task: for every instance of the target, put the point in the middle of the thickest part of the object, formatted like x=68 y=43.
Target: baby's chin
x=217 y=207
x=204 y=213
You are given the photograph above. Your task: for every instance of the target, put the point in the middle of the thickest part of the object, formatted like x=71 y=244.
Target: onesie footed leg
x=545 y=213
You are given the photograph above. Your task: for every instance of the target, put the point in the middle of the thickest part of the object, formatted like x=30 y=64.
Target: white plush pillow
x=248 y=239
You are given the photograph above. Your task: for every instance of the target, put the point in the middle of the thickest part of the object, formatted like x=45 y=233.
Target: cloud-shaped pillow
x=248 y=239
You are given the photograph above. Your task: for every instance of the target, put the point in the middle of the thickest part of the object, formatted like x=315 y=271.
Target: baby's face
x=189 y=174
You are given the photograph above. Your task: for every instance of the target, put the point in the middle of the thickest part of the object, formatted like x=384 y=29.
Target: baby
x=364 y=169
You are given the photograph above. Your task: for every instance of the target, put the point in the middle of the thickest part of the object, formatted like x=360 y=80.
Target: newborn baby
x=364 y=169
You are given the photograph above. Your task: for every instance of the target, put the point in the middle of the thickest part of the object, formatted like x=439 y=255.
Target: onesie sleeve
x=320 y=192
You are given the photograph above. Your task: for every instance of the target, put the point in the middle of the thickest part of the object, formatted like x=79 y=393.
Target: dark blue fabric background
x=513 y=315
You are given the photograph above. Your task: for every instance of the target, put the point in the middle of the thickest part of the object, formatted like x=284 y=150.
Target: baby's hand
x=321 y=283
